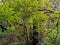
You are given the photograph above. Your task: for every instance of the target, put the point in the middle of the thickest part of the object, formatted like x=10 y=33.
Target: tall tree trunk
x=35 y=33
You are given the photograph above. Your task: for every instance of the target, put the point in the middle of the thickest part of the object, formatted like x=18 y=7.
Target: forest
x=29 y=22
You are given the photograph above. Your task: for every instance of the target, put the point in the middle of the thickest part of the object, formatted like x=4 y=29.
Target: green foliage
x=22 y=15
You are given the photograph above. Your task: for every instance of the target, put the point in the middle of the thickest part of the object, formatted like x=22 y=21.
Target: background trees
x=29 y=22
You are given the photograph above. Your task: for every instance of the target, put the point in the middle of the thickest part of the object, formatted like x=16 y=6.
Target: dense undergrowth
x=29 y=22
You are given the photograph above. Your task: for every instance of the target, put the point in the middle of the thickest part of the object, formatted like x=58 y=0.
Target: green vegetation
x=29 y=22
